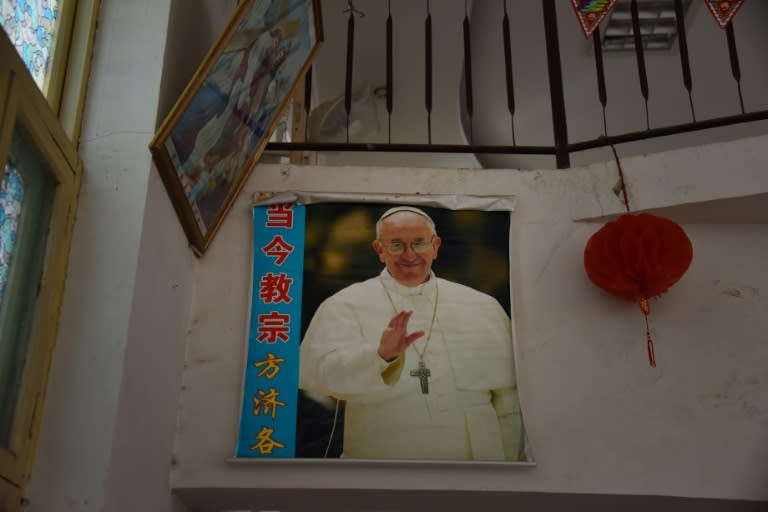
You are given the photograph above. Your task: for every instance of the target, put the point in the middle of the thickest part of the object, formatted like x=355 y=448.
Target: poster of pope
x=405 y=349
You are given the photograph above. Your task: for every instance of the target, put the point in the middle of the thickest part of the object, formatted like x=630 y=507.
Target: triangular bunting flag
x=591 y=12
x=723 y=10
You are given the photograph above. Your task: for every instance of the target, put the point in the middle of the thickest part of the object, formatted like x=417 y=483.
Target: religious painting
x=216 y=132
x=381 y=331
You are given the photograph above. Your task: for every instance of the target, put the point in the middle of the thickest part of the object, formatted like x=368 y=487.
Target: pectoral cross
x=423 y=374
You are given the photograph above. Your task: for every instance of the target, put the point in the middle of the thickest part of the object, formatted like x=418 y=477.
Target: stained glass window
x=31 y=27
x=11 y=193
x=26 y=200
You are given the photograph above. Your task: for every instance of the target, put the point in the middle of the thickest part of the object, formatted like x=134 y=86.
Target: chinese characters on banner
x=268 y=416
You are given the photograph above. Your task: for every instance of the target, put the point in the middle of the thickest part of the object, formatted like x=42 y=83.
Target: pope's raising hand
x=395 y=338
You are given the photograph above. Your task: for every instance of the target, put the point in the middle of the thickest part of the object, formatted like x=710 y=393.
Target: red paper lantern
x=637 y=257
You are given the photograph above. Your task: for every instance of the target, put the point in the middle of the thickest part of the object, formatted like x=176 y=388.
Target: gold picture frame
x=215 y=134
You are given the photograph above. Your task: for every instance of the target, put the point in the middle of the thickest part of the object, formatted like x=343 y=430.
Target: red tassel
x=651 y=354
x=649 y=340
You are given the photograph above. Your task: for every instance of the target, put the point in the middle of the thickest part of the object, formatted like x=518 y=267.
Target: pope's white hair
x=392 y=211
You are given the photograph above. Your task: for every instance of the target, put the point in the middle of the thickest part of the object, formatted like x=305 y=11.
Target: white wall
x=96 y=415
x=599 y=418
x=142 y=448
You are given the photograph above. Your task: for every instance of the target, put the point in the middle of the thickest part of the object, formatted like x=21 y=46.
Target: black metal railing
x=562 y=148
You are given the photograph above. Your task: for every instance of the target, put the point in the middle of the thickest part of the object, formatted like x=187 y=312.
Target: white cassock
x=471 y=411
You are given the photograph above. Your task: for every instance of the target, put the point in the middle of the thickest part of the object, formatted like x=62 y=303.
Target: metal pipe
x=559 y=125
x=409 y=148
x=669 y=130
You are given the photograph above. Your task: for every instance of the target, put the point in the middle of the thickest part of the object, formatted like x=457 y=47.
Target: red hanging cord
x=621 y=177
x=643 y=302
x=649 y=339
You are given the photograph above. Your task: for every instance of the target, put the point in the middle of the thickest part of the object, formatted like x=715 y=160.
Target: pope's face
x=408 y=234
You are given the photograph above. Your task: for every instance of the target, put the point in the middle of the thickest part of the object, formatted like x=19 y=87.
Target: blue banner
x=268 y=416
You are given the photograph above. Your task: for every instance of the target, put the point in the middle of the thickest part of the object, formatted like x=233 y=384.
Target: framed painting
x=214 y=135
